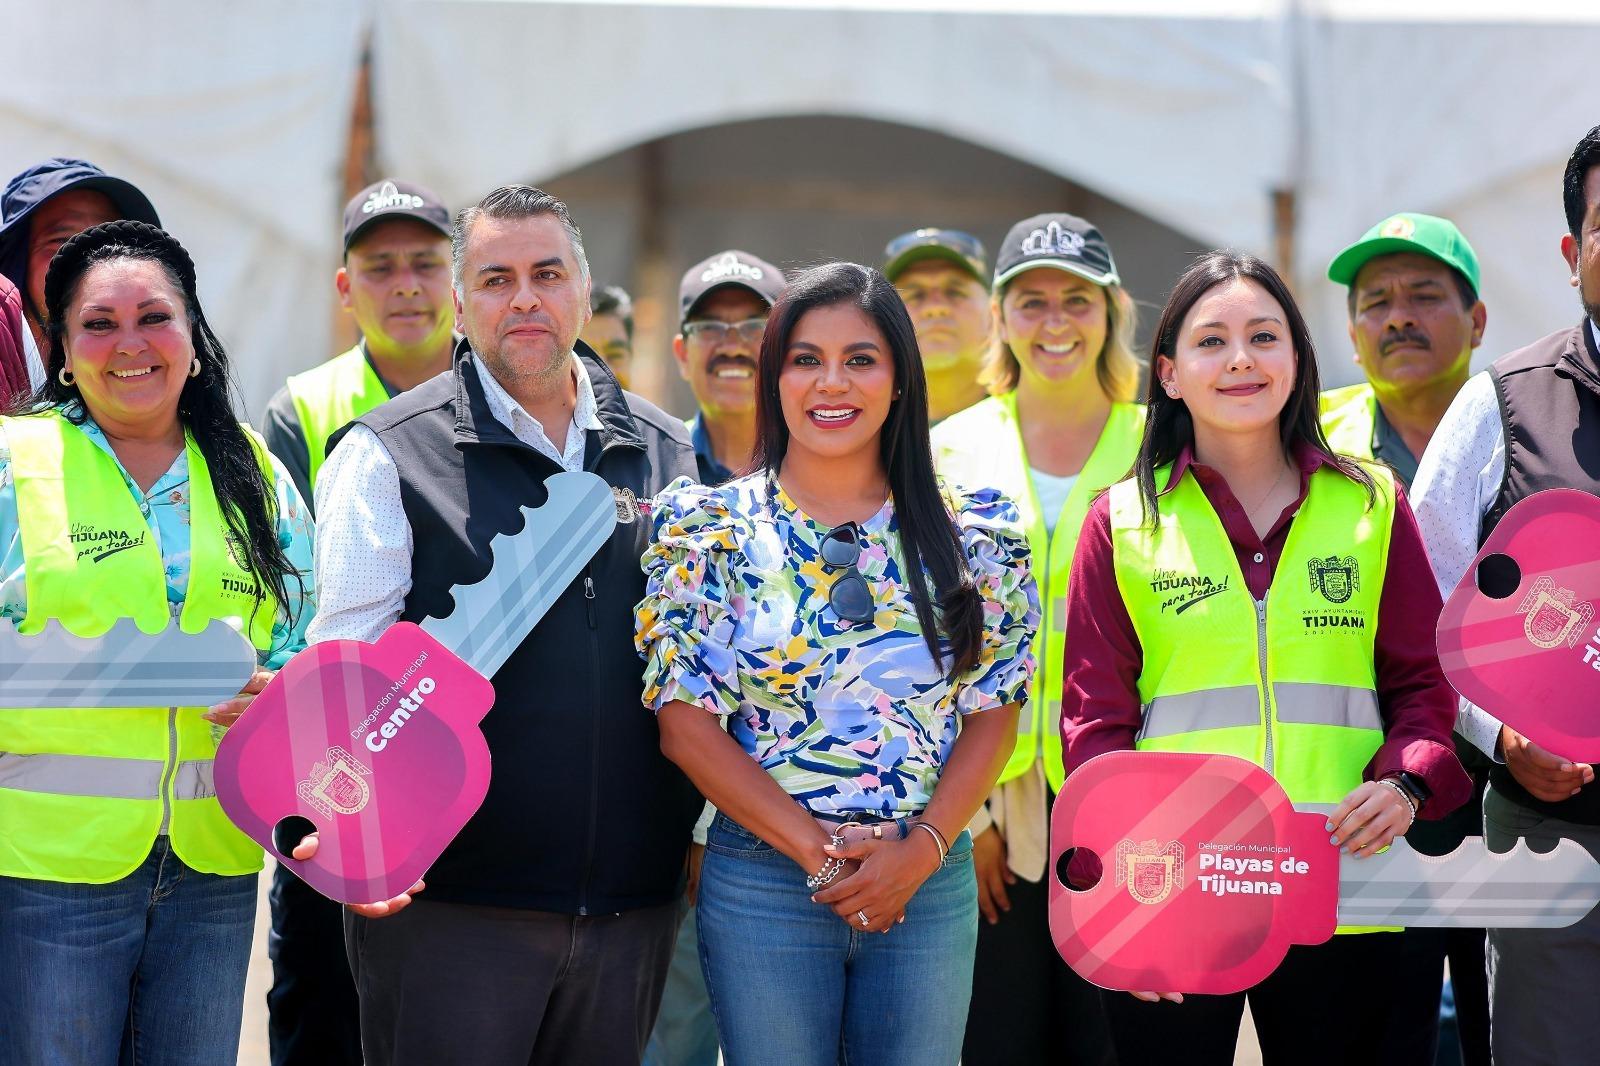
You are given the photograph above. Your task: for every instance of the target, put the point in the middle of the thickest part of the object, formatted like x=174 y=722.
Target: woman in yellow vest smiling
x=1058 y=429
x=1249 y=593
x=126 y=896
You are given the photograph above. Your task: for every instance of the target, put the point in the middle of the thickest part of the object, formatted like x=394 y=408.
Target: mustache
x=1403 y=336
x=724 y=360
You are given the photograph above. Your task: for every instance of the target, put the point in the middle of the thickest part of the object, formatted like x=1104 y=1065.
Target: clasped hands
x=879 y=881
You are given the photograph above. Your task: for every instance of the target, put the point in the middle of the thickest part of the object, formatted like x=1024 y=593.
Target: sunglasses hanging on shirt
x=849 y=595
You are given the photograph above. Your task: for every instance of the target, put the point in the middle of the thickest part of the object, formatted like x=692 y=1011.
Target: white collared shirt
x=364 y=542
x=1457 y=482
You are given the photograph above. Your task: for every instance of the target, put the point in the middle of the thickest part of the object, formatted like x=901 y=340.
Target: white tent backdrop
x=1471 y=117
x=234 y=119
x=472 y=92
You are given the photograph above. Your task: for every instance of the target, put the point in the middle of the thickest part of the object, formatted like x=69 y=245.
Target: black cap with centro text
x=385 y=200
x=1062 y=241
x=732 y=267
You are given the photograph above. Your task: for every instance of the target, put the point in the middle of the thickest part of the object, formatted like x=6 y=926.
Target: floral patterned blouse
x=847 y=718
x=167 y=510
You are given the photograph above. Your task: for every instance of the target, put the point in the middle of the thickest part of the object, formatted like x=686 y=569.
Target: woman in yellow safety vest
x=1058 y=428
x=1248 y=592
x=129 y=490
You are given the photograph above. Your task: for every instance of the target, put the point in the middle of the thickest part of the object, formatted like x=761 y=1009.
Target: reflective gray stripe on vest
x=1191 y=712
x=102 y=777
x=1307 y=704
x=1058 y=615
x=193 y=780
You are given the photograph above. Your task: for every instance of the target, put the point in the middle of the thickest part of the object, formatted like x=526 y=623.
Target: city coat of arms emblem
x=1335 y=578
x=337 y=784
x=1150 y=871
x=1551 y=617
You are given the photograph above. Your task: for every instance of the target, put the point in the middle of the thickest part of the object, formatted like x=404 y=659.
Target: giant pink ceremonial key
x=1209 y=875
x=1518 y=637
x=378 y=744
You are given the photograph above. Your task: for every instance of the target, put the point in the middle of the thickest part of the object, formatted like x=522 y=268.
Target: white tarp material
x=1470 y=116
x=470 y=93
x=233 y=119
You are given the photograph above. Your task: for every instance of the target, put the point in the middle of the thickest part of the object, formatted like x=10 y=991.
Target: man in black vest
x=1531 y=422
x=546 y=927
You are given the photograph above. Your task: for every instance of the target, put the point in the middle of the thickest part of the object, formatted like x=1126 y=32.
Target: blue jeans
x=792 y=985
x=147 y=970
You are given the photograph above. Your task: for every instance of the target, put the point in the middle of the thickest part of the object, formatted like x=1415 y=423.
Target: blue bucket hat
x=31 y=188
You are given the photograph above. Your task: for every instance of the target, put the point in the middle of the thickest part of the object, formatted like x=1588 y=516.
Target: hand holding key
x=1369 y=818
x=1546 y=775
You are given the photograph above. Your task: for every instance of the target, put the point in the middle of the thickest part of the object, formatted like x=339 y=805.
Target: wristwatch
x=1413 y=786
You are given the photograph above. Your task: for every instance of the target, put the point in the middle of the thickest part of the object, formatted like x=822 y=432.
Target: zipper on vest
x=1266 y=687
x=171 y=770
x=594 y=744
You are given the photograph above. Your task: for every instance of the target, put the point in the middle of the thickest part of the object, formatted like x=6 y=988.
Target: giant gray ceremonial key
x=530 y=570
x=1471 y=887
x=123 y=667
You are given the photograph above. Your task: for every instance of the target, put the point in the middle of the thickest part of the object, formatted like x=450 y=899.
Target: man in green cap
x=1415 y=317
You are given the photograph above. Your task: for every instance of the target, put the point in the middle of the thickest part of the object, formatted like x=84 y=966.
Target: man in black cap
x=943 y=277
x=724 y=302
x=41 y=209
x=395 y=284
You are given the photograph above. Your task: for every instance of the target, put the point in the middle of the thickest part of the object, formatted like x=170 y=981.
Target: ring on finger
x=861 y=916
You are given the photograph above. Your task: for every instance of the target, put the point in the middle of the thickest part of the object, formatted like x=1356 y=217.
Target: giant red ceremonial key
x=1518 y=635
x=1209 y=875
x=378 y=744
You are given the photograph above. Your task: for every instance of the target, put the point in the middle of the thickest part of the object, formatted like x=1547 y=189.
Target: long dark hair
x=1168 y=426
x=928 y=535
x=205 y=406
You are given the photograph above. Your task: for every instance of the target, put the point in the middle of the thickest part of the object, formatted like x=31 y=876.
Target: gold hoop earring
x=194 y=367
x=66 y=377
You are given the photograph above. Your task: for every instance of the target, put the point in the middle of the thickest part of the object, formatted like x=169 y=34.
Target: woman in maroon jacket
x=1232 y=405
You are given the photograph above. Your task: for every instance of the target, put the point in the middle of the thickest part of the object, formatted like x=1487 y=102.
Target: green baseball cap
x=1429 y=235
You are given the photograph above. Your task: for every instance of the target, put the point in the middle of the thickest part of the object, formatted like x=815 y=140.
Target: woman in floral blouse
x=839 y=615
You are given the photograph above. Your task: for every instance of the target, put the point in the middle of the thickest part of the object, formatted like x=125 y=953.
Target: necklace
x=1250 y=512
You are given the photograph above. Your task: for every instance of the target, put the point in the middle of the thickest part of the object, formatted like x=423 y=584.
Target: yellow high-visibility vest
x=331 y=396
x=1288 y=681
x=85 y=791
x=1349 y=419
x=982 y=447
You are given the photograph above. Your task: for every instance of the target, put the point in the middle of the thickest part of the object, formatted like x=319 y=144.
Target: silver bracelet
x=938 y=839
x=825 y=876
x=1411 y=803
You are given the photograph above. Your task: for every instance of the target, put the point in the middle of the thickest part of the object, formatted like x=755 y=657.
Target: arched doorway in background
x=804 y=190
